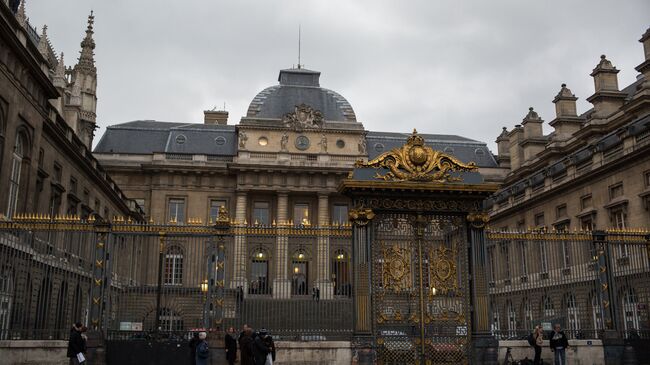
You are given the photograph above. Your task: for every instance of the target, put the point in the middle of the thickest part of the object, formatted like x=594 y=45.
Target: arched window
x=174 y=266
x=496 y=326
x=548 y=308
x=572 y=315
x=528 y=315
x=61 y=321
x=341 y=273
x=299 y=273
x=6 y=301
x=76 y=305
x=43 y=305
x=512 y=319
x=630 y=311
x=170 y=320
x=16 y=170
x=259 y=282
x=596 y=311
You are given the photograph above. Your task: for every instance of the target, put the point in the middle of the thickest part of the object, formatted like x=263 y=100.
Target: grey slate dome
x=300 y=86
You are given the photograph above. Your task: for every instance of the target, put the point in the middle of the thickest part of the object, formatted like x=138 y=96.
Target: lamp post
x=204 y=291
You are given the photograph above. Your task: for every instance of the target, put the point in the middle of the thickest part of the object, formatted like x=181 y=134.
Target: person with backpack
x=536 y=339
x=559 y=343
x=202 y=350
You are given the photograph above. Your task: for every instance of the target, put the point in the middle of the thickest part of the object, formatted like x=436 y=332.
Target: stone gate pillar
x=281 y=283
x=323 y=282
x=240 y=252
x=485 y=348
x=361 y=268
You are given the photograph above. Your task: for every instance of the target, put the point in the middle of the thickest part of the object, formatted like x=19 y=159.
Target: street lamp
x=204 y=290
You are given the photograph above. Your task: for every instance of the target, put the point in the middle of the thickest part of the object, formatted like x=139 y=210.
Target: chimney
x=218 y=117
x=607 y=99
x=503 y=148
x=644 y=67
x=514 y=140
x=566 y=121
x=534 y=141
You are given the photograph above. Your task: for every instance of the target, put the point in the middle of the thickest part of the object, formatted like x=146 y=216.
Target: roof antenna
x=299 y=66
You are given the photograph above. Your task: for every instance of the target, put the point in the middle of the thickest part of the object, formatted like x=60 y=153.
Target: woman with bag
x=538 y=336
x=76 y=345
x=268 y=341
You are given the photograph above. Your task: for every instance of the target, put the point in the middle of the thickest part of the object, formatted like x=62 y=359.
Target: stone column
x=281 y=284
x=323 y=282
x=241 y=254
x=484 y=346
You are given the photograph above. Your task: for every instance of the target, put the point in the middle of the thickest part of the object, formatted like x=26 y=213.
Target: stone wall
x=580 y=352
x=313 y=353
x=26 y=352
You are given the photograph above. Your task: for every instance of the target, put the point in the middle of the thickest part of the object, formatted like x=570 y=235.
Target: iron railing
x=588 y=282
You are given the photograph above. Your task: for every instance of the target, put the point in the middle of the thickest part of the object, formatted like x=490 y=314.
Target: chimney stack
x=218 y=117
x=534 y=141
x=566 y=120
x=644 y=67
x=607 y=99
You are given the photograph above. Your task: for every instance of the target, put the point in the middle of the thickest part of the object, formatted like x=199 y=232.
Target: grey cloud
x=446 y=67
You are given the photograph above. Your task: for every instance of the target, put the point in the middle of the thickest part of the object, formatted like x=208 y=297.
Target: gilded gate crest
x=396 y=273
x=416 y=162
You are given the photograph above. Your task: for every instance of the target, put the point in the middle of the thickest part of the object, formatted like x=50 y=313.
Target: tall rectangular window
x=301 y=214
x=261 y=213
x=58 y=173
x=587 y=223
x=543 y=256
x=560 y=211
x=585 y=202
x=340 y=214
x=215 y=204
x=177 y=210
x=523 y=249
x=73 y=185
x=492 y=263
x=539 y=220
x=615 y=191
x=505 y=253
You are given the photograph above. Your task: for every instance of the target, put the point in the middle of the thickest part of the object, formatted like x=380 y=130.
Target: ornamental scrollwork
x=478 y=219
x=443 y=270
x=396 y=272
x=361 y=216
x=303 y=117
x=416 y=162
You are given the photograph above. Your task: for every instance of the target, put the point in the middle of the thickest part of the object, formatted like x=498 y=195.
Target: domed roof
x=300 y=86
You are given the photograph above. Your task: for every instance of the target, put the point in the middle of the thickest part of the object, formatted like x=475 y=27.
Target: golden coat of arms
x=416 y=162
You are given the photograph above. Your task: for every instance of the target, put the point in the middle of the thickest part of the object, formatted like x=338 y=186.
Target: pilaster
x=240 y=254
x=323 y=282
x=281 y=283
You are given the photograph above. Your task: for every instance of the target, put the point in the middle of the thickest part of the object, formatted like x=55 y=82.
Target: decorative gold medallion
x=416 y=162
x=396 y=273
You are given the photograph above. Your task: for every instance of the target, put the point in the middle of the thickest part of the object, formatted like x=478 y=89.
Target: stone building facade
x=591 y=173
x=47 y=171
x=280 y=166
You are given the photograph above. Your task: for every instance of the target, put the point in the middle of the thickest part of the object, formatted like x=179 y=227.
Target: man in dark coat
x=558 y=342
x=193 y=343
x=246 y=347
x=76 y=343
x=260 y=349
x=231 y=346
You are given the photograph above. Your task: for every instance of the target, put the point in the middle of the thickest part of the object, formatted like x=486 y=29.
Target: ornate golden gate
x=420 y=294
x=420 y=288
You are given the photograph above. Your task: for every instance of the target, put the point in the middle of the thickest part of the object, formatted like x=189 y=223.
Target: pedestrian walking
x=202 y=350
x=260 y=349
x=268 y=341
x=231 y=346
x=193 y=343
x=538 y=337
x=76 y=345
x=246 y=347
x=559 y=344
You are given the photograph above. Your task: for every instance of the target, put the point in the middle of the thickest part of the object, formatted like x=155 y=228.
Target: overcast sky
x=447 y=67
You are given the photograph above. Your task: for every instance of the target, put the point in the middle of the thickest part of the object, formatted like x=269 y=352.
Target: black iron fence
x=143 y=281
x=588 y=282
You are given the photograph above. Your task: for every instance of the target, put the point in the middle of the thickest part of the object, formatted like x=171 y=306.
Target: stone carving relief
x=303 y=117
